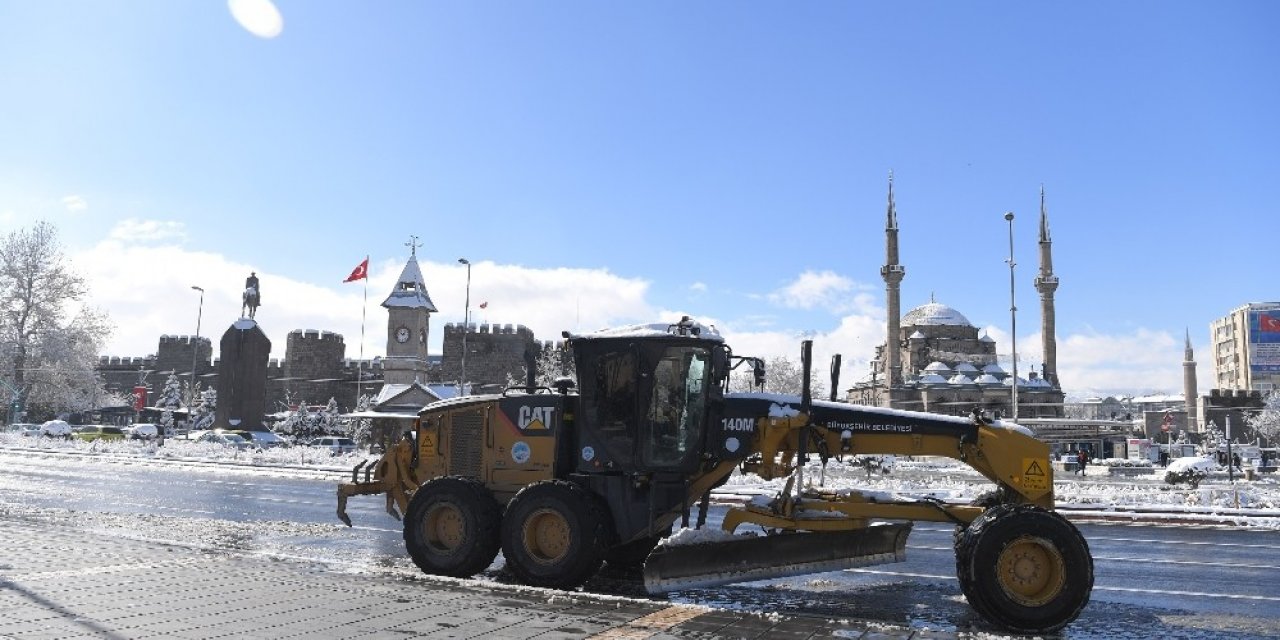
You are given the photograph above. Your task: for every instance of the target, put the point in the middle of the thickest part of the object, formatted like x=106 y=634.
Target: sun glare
x=259 y=17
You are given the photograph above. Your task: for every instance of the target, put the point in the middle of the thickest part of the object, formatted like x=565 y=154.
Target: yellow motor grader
x=565 y=480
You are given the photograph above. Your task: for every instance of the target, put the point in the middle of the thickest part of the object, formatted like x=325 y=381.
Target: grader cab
x=563 y=481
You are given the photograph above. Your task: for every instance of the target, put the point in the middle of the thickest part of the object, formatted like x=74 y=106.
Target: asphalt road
x=1151 y=580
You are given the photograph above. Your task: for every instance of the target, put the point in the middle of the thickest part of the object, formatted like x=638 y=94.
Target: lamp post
x=466 y=328
x=1013 y=318
x=195 y=350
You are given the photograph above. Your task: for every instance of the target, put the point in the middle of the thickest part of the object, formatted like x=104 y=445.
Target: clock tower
x=409 y=310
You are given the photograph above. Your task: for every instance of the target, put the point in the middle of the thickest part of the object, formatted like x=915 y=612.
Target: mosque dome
x=966 y=368
x=938 y=368
x=960 y=378
x=987 y=378
x=934 y=313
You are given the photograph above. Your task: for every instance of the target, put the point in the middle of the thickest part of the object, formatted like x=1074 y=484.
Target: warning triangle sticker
x=1034 y=469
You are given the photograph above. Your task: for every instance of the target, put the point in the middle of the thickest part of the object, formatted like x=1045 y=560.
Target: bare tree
x=49 y=346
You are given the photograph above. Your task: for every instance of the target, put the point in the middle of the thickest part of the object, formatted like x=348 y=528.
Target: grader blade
x=694 y=566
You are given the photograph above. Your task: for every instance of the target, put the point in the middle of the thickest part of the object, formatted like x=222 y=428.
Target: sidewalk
x=63 y=582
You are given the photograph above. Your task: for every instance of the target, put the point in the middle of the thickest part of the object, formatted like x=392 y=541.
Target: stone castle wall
x=314 y=367
x=495 y=353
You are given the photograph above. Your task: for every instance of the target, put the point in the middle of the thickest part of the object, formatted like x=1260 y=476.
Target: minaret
x=893 y=273
x=1189 y=388
x=1046 y=284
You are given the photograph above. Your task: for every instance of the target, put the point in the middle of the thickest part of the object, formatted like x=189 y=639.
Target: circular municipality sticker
x=520 y=452
x=731 y=445
x=588 y=454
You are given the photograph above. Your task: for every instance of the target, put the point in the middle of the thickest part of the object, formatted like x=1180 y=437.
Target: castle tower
x=1189 y=387
x=1046 y=284
x=409 y=310
x=893 y=273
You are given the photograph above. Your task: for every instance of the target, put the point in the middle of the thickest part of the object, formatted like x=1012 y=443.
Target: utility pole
x=1013 y=318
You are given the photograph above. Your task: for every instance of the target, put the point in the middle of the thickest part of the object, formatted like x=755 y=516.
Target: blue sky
x=603 y=163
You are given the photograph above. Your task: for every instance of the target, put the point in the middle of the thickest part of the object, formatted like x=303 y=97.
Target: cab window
x=676 y=406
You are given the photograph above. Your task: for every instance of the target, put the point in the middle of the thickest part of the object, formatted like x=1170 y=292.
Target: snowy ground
x=1247 y=503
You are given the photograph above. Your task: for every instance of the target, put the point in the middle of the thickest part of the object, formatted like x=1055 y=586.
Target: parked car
x=225 y=438
x=56 y=429
x=92 y=432
x=264 y=439
x=28 y=430
x=143 y=431
x=20 y=427
x=335 y=445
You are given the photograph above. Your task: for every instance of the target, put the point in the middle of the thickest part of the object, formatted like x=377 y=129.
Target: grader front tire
x=1025 y=568
x=451 y=527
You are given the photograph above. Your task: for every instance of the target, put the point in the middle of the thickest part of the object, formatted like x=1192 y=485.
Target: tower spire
x=893 y=273
x=1047 y=284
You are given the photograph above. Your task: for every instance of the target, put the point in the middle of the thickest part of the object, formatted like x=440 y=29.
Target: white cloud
x=698 y=287
x=132 y=230
x=259 y=17
x=820 y=290
x=75 y=203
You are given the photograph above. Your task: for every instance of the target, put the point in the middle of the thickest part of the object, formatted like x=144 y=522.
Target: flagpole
x=364 y=312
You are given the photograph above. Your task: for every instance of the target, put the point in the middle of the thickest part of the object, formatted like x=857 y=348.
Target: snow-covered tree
x=203 y=414
x=49 y=344
x=781 y=376
x=170 y=399
x=552 y=364
x=326 y=420
x=360 y=427
x=1266 y=423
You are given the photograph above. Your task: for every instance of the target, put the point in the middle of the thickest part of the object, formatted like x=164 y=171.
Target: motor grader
x=565 y=480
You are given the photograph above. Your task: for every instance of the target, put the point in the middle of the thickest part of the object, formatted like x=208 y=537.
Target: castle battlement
x=187 y=340
x=315 y=335
x=489 y=329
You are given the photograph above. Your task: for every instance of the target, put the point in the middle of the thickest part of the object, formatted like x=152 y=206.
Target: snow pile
x=709 y=535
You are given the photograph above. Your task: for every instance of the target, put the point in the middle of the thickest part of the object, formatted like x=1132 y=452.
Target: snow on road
x=1253 y=503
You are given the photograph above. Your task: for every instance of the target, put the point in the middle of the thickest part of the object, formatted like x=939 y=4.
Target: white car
x=226 y=439
x=143 y=431
x=56 y=429
x=334 y=444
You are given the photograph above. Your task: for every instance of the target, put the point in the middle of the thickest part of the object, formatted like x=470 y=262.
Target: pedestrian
x=1082 y=459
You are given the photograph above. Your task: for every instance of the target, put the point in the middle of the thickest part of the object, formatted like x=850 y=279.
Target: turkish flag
x=484 y=305
x=361 y=272
x=1269 y=324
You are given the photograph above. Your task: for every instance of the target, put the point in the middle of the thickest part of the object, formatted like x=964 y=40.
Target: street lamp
x=466 y=327
x=1013 y=318
x=195 y=350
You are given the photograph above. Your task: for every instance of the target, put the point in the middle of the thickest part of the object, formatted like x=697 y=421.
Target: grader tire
x=555 y=534
x=986 y=500
x=451 y=527
x=1025 y=568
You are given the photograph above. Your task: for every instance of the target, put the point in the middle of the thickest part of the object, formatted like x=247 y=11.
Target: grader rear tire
x=555 y=534
x=451 y=527
x=1024 y=568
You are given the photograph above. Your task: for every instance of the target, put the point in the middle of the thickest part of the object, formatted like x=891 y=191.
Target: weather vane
x=413 y=245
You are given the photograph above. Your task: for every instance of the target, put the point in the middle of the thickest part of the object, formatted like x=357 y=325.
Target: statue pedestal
x=242 y=377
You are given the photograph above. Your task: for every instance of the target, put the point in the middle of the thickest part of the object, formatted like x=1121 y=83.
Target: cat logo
x=535 y=418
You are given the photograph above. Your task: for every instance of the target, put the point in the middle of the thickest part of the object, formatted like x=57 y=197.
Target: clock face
x=402 y=334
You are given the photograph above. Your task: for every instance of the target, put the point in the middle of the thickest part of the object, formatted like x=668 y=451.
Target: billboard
x=1264 y=339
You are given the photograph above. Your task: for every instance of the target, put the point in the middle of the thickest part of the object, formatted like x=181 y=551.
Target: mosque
x=935 y=360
